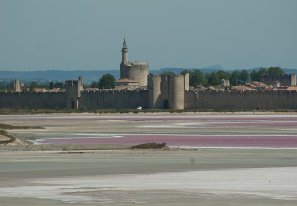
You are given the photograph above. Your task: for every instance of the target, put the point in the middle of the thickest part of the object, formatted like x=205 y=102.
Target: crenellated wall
x=247 y=100
x=114 y=99
x=33 y=100
x=163 y=89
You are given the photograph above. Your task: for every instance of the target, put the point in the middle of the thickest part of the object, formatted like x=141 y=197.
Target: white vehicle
x=139 y=108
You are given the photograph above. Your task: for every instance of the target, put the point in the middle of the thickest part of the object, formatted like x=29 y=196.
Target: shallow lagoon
x=177 y=130
x=229 y=175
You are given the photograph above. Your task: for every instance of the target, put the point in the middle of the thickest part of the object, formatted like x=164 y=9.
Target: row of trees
x=107 y=81
x=199 y=78
x=237 y=77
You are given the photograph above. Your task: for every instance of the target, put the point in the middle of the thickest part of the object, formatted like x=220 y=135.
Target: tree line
x=196 y=78
x=199 y=78
x=237 y=77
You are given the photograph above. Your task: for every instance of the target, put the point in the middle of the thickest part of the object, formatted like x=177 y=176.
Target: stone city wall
x=113 y=99
x=33 y=100
x=247 y=100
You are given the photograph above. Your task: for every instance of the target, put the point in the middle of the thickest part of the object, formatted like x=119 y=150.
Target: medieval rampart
x=33 y=100
x=236 y=100
x=113 y=99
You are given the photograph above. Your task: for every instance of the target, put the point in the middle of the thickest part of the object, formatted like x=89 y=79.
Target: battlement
x=33 y=100
x=241 y=100
x=31 y=92
x=114 y=99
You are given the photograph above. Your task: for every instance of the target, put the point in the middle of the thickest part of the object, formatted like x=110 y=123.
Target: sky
x=88 y=34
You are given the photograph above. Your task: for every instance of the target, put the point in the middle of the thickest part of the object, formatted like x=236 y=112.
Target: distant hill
x=55 y=75
x=179 y=70
x=290 y=71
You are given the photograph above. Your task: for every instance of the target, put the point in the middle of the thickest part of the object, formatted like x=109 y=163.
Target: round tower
x=154 y=91
x=177 y=91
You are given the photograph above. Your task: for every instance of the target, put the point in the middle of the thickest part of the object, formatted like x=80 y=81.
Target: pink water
x=213 y=123
x=186 y=140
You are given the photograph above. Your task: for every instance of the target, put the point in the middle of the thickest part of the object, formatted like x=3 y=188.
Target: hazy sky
x=88 y=34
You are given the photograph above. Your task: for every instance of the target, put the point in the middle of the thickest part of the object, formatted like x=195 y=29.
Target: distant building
x=17 y=87
x=259 y=86
x=292 y=88
x=126 y=84
x=241 y=88
x=225 y=83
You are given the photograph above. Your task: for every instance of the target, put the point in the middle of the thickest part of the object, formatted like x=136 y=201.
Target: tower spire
x=125 y=44
x=125 y=59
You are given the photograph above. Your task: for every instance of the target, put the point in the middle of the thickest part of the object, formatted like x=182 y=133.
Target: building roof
x=241 y=88
x=126 y=81
x=292 y=88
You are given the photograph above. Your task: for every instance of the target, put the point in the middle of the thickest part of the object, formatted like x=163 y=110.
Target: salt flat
x=124 y=177
x=258 y=170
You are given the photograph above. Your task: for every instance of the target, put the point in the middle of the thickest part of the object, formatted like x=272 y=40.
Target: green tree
x=244 y=76
x=51 y=85
x=262 y=72
x=197 y=77
x=186 y=71
x=214 y=79
x=275 y=71
x=107 y=81
x=223 y=75
x=235 y=78
x=255 y=76
x=58 y=85
x=167 y=73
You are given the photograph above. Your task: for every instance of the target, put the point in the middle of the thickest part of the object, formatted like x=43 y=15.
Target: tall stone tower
x=73 y=90
x=125 y=59
x=133 y=70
